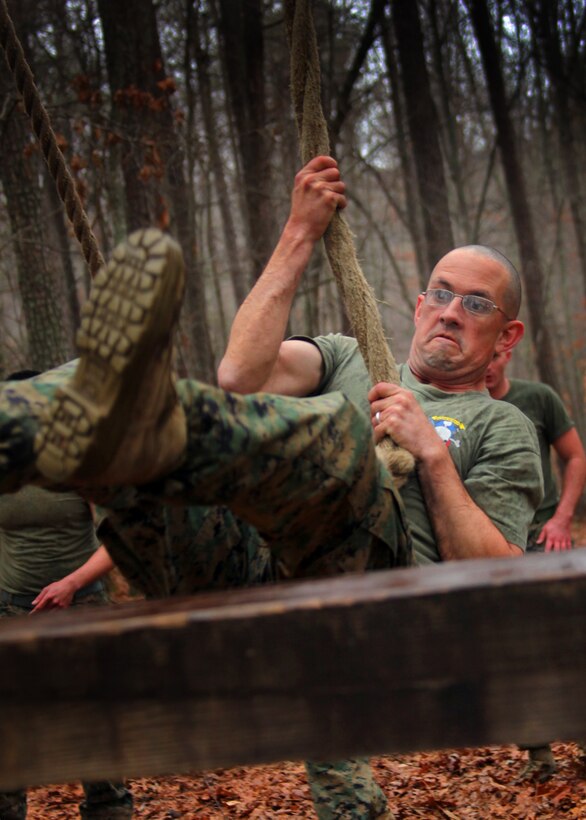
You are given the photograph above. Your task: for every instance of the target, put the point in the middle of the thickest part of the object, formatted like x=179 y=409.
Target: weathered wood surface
x=455 y=655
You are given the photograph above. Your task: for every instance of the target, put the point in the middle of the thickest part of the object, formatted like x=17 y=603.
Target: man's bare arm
x=60 y=594
x=557 y=532
x=462 y=530
x=256 y=357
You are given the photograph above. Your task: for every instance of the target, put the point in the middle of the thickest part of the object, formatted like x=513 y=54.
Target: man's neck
x=447 y=386
x=501 y=389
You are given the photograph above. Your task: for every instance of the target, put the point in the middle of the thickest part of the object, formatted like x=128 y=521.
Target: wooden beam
x=460 y=654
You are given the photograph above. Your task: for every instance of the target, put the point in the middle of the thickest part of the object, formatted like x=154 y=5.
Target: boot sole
x=128 y=319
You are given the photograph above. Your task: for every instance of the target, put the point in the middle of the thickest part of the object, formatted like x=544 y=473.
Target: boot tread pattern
x=114 y=321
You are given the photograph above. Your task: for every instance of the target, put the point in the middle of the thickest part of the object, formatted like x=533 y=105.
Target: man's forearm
x=261 y=321
x=572 y=487
x=98 y=565
x=462 y=530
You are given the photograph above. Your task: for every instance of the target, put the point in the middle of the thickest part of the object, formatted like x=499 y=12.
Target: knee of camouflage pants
x=302 y=471
x=181 y=550
x=346 y=790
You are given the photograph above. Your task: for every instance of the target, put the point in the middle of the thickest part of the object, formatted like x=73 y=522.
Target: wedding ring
x=377 y=417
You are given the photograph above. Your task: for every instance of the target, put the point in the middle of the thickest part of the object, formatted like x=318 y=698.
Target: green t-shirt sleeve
x=343 y=368
x=505 y=478
x=334 y=349
x=328 y=346
x=557 y=420
x=543 y=406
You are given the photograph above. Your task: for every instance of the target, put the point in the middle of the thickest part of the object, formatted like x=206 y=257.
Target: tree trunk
x=423 y=129
x=448 y=127
x=519 y=204
x=153 y=154
x=544 y=18
x=202 y=59
x=20 y=172
x=414 y=220
x=240 y=25
x=59 y=231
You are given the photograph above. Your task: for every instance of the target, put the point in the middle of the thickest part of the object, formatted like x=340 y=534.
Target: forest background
x=454 y=122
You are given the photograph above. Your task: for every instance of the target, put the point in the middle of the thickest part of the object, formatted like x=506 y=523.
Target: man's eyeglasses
x=477 y=305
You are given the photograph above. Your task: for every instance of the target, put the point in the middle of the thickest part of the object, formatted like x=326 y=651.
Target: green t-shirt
x=493 y=446
x=43 y=537
x=343 y=368
x=547 y=412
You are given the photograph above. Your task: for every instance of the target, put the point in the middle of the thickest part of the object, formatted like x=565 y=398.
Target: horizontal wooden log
x=461 y=654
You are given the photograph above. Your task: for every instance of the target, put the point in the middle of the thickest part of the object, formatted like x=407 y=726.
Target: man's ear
x=418 y=304
x=510 y=336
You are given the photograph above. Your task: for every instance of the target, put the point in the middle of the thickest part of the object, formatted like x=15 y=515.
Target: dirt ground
x=459 y=784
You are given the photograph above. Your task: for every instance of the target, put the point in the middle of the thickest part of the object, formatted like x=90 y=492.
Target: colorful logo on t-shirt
x=448 y=429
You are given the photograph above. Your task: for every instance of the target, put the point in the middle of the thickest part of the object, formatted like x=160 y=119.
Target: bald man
x=478 y=477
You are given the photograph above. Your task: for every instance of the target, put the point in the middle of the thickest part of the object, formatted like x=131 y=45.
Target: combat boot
x=540 y=766
x=13 y=805
x=117 y=420
x=106 y=801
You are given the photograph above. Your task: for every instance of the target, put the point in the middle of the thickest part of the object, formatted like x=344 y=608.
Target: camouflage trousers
x=103 y=800
x=302 y=473
x=270 y=488
x=346 y=790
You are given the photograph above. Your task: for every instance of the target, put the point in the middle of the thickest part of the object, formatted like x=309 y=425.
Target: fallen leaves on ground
x=462 y=784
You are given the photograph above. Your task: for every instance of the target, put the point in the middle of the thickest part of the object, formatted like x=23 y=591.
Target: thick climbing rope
x=46 y=136
x=357 y=294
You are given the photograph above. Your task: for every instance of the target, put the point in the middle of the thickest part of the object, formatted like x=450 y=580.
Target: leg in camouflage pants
x=280 y=462
x=346 y=790
x=342 y=790
x=303 y=473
